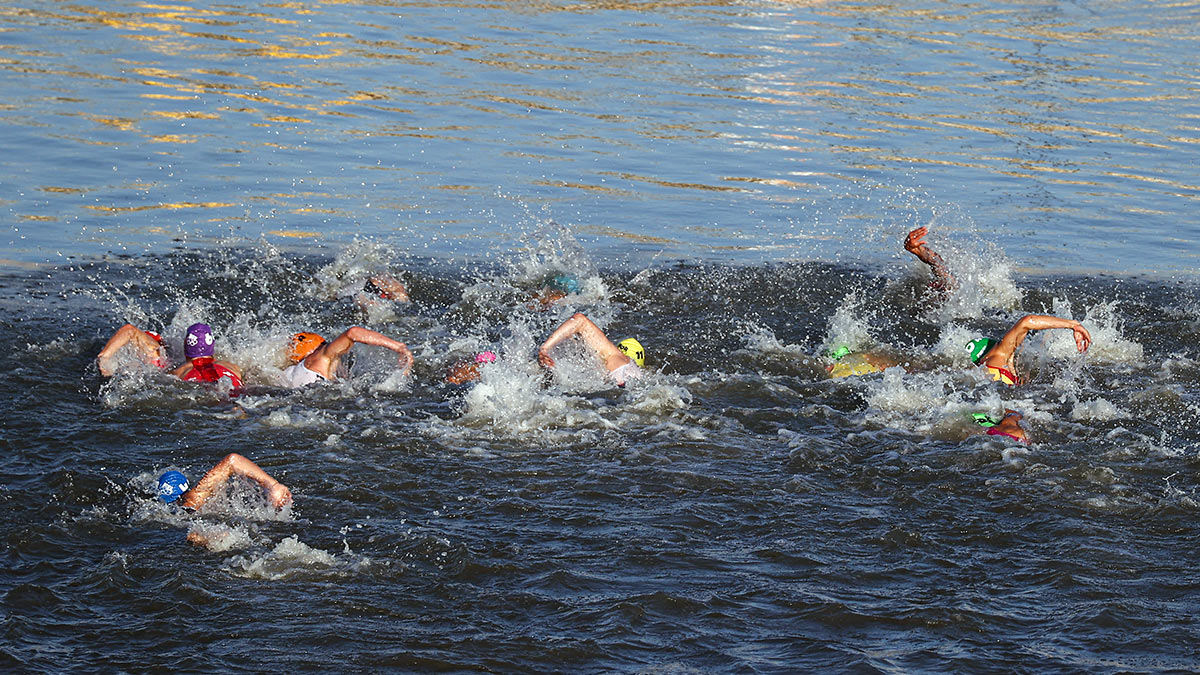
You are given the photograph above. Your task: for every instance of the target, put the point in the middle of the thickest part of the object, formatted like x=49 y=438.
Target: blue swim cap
x=171 y=485
x=563 y=282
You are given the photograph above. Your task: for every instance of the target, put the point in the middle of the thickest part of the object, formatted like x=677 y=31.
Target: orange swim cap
x=304 y=344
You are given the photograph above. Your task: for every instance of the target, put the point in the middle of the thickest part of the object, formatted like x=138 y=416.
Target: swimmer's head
x=154 y=336
x=839 y=353
x=468 y=371
x=386 y=288
x=303 y=344
x=171 y=486
x=563 y=282
x=634 y=350
x=199 y=341
x=983 y=420
x=977 y=348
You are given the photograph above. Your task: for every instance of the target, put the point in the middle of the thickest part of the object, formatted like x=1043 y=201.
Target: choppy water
x=731 y=182
x=736 y=511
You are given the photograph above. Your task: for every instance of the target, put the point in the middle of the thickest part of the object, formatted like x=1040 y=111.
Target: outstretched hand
x=544 y=359
x=405 y=362
x=915 y=241
x=1083 y=339
x=279 y=496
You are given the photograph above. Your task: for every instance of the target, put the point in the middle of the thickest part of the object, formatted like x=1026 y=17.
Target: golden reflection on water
x=156 y=207
x=285 y=73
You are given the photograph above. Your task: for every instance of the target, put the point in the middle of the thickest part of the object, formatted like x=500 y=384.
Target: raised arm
x=334 y=351
x=1002 y=353
x=149 y=350
x=234 y=464
x=915 y=244
x=591 y=335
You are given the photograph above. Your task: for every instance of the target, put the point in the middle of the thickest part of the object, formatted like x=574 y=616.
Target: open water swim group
x=312 y=359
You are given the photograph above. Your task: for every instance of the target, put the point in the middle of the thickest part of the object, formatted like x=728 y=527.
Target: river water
x=729 y=182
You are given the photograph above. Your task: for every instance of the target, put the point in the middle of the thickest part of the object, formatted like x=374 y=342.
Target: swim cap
x=634 y=350
x=978 y=347
x=155 y=336
x=563 y=282
x=304 y=344
x=171 y=485
x=983 y=420
x=485 y=357
x=199 y=341
x=840 y=352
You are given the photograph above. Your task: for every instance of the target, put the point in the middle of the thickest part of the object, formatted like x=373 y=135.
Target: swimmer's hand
x=544 y=359
x=915 y=241
x=1083 y=339
x=278 y=495
x=405 y=362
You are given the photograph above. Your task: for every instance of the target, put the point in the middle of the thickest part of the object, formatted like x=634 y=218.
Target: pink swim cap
x=485 y=357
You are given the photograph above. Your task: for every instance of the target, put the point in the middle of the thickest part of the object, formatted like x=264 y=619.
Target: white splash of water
x=290 y=557
x=1097 y=409
x=850 y=326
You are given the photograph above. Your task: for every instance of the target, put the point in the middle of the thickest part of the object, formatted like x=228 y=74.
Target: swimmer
x=1009 y=425
x=999 y=356
x=147 y=344
x=314 y=359
x=469 y=371
x=915 y=244
x=847 y=363
x=622 y=362
x=200 y=366
x=555 y=287
x=173 y=485
x=385 y=288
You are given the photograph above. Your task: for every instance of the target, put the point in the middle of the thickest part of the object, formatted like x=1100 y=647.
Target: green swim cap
x=840 y=352
x=980 y=346
x=983 y=420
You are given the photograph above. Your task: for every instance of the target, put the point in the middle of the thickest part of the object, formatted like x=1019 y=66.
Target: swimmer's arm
x=277 y=493
x=567 y=329
x=148 y=349
x=915 y=244
x=1011 y=424
x=572 y=326
x=1002 y=353
x=357 y=334
x=236 y=369
x=591 y=335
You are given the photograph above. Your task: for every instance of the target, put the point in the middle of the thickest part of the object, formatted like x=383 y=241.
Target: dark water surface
x=731 y=183
x=736 y=511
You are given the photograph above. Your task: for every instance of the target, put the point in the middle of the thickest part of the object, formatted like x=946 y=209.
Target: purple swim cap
x=199 y=341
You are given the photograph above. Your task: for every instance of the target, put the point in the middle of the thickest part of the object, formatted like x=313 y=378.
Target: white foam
x=290 y=418
x=761 y=339
x=1097 y=409
x=850 y=326
x=289 y=558
x=219 y=537
x=1105 y=323
x=984 y=282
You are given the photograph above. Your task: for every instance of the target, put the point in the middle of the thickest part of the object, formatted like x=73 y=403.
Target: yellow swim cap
x=634 y=350
x=304 y=344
